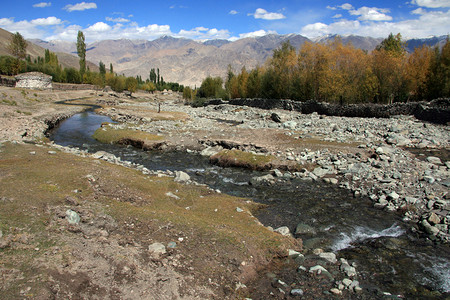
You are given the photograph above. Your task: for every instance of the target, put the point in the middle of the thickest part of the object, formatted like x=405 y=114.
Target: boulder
x=181 y=177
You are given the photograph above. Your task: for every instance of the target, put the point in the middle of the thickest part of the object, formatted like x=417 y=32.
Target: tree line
x=19 y=62
x=339 y=73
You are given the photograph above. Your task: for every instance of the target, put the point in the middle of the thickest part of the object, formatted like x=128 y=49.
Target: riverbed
x=388 y=255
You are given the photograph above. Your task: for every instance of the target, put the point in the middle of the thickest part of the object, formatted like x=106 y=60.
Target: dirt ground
x=210 y=247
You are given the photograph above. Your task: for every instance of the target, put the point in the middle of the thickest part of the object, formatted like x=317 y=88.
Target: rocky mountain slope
x=35 y=49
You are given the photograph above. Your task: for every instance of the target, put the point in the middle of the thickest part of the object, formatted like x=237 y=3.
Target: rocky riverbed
x=369 y=156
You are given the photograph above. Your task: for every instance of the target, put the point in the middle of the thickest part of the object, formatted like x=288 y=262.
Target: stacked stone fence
x=7 y=81
x=436 y=111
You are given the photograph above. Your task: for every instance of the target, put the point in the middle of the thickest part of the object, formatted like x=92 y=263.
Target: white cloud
x=233 y=12
x=42 y=4
x=46 y=21
x=257 y=33
x=203 y=33
x=117 y=20
x=346 y=6
x=261 y=13
x=371 y=14
x=432 y=3
x=429 y=23
x=419 y=11
x=337 y=16
x=98 y=27
x=80 y=6
x=331 y=7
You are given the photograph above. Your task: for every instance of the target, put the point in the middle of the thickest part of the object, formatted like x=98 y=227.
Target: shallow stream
x=389 y=257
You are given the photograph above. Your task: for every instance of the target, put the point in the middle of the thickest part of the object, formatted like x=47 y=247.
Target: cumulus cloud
x=346 y=6
x=261 y=13
x=432 y=3
x=428 y=23
x=117 y=20
x=80 y=6
x=203 y=33
x=233 y=12
x=257 y=33
x=371 y=14
x=337 y=16
x=42 y=4
x=46 y=21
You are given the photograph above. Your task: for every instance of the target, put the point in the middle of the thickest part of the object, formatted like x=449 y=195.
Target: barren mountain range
x=187 y=61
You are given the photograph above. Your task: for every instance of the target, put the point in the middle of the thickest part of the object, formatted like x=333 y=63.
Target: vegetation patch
x=238 y=158
x=140 y=139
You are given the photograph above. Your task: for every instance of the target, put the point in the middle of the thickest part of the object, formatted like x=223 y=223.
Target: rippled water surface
x=388 y=255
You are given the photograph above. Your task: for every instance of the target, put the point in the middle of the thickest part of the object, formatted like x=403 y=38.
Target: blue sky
x=203 y=20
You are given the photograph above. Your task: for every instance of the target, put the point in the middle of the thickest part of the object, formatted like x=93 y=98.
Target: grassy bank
x=38 y=186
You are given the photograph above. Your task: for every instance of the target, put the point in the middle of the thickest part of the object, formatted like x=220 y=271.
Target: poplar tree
x=81 y=50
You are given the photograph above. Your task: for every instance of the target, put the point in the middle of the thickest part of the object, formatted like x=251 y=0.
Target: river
x=388 y=255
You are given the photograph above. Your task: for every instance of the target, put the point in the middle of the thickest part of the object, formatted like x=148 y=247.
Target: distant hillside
x=189 y=62
x=34 y=50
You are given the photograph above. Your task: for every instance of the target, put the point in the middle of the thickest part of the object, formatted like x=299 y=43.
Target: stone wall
x=73 y=87
x=7 y=81
x=436 y=111
x=34 y=80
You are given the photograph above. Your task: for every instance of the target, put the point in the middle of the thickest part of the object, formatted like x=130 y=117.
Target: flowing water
x=388 y=255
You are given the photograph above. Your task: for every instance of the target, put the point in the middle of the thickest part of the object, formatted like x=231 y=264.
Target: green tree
x=212 y=87
x=393 y=44
x=111 y=70
x=81 y=50
x=102 y=69
x=152 y=76
x=131 y=84
x=18 y=46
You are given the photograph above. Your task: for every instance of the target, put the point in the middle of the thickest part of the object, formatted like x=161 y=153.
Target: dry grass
x=31 y=185
x=108 y=134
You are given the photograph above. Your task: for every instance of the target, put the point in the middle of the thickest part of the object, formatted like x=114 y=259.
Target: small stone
x=239 y=210
x=52 y=152
x=336 y=291
x=434 y=219
x=294 y=254
x=429 y=179
x=434 y=160
x=283 y=230
x=277 y=173
x=304 y=229
x=347 y=282
x=72 y=217
x=319 y=269
x=393 y=196
x=157 y=249
x=329 y=256
x=297 y=292
x=181 y=177
x=171 y=245
x=33 y=152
